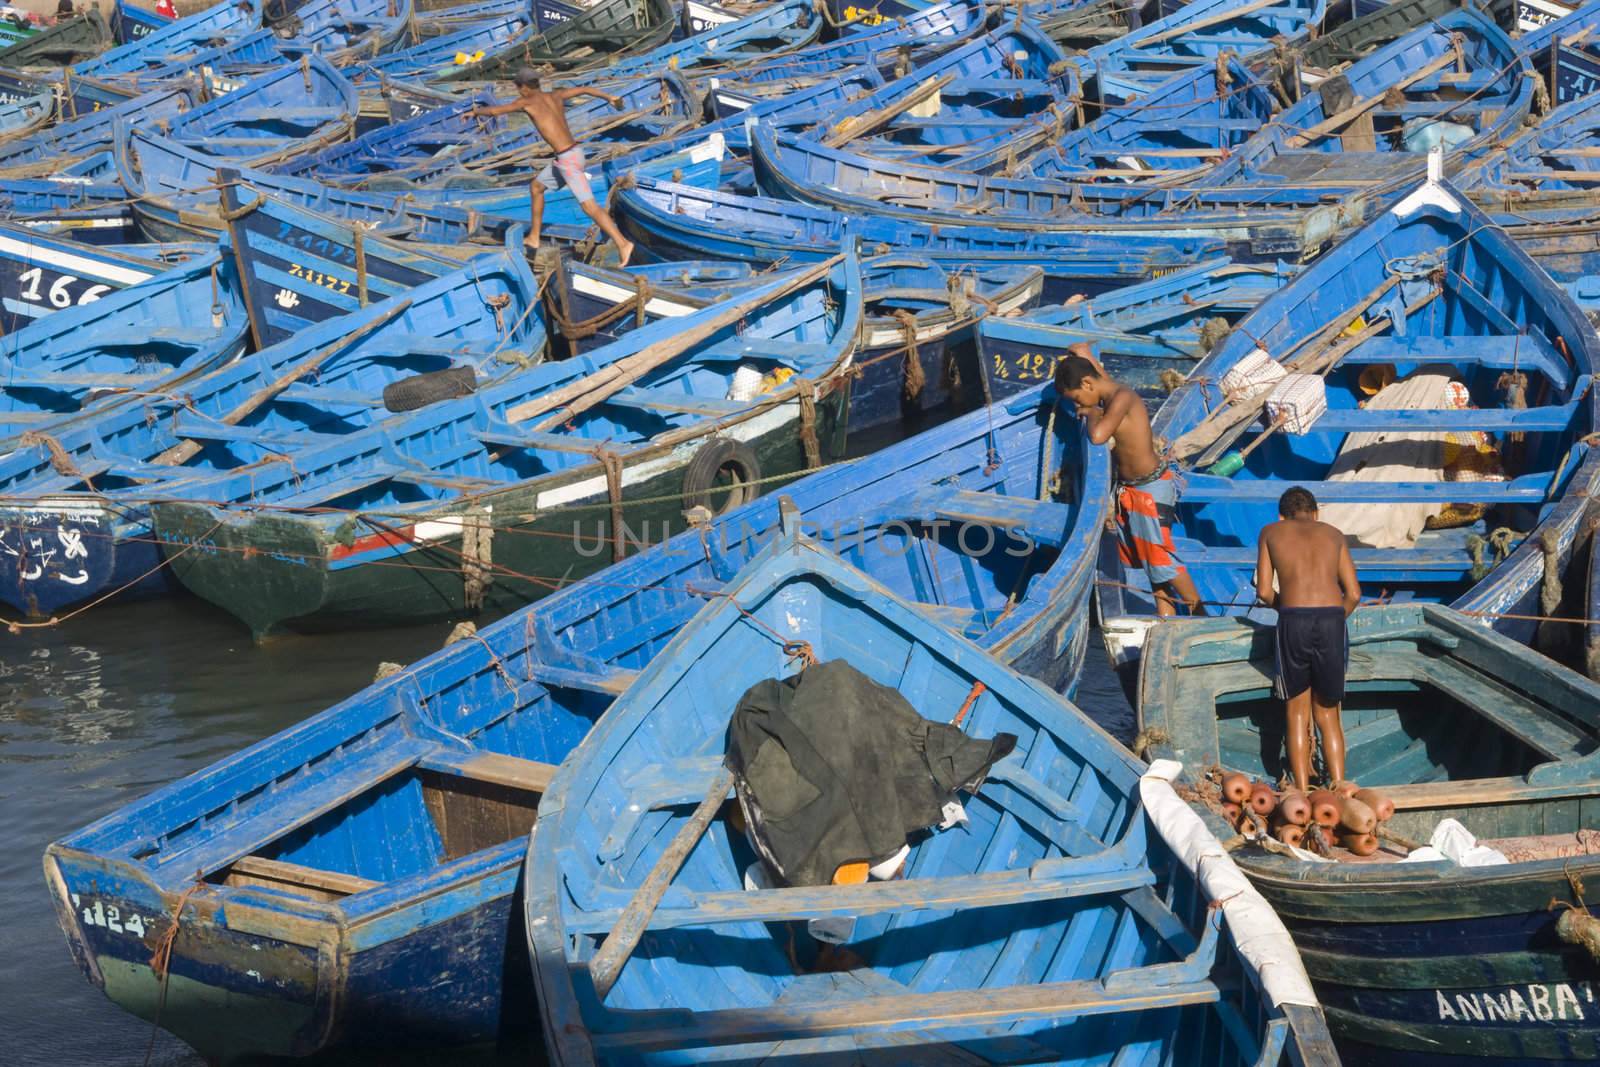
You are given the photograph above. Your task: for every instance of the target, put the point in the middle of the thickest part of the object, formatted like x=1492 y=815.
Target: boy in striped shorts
x=1147 y=491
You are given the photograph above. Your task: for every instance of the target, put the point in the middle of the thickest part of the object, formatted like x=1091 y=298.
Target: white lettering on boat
x=110 y=917
x=1557 y=1002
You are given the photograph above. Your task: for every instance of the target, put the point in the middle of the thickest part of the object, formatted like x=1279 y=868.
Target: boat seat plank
x=282 y=873
x=1549 y=419
x=854 y=1014
x=88 y=470
x=199 y=428
x=663 y=401
x=1093 y=875
x=1528 y=489
x=1421 y=558
x=1530 y=352
x=1529 y=722
x=322 y=492
x=1044 y=521
x=511 y=435
x=328 y=396
x=793 y=353
x=513 y=772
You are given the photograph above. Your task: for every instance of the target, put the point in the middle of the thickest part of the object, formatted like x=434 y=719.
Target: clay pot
x=1290 y=834
x=1324 y=808
x=1230 y=812
x=1262 y=798
x=1346 y=789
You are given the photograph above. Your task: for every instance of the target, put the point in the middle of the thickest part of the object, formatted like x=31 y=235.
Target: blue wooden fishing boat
x=648 y=946
x=69 y=41
x=599 y=35
x=1457 y=82
x=130 y=22
x=433 y=57
x=42 y=273
x=891 y=44
x=1186 y=123
x=297 y=267
x=1143 y=334
x=879 y=511
x=673 y=221
x=1489 y=363
x=450 y=146
x=26 y=116
x=155 y=50
x=222 y=59
x=297 y=107
x=48 y=150
x=694 y=405
x=1255 y=222
x=773 y=30
x=92 y=480
x=105 y=349
x=915 y=359
x=342 y=31
x=1424 y=960
x=1195 y=35
x=178 y=198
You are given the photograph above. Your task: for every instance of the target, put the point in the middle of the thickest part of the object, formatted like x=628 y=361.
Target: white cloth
x=1392 y=456
x=1454 y=842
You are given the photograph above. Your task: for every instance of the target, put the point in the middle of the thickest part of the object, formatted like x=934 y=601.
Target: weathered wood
x=859 y=125
x=1366 y=104
x=619 y=944
x=961 y=1007
x=327 y=885
x=581 y=395
x=187 y=450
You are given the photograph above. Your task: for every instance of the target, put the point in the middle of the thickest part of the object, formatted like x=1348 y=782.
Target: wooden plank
x=593 y=389
x=630 y=926
x=510 y=771
x=875 y=1014
x=1346 y=115
x=279 y=872
x=965 y=892
x=856 y=125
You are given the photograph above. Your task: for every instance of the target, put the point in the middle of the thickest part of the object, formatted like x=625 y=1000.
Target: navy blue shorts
x=1312 y=652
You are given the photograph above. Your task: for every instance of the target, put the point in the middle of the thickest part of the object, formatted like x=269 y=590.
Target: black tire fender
x=718 y=457
x=420 y=390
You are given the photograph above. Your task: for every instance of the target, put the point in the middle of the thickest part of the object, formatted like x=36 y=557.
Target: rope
x=806 y=390
x=477 y=560
x=912 y=376
x=61 y=460
x=613 y=468
x=161 y=960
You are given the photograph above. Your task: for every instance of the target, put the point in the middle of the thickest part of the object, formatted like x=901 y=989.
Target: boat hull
x=277 y=572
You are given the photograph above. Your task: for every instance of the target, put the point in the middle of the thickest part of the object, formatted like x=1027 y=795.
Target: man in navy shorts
x=1304 y=570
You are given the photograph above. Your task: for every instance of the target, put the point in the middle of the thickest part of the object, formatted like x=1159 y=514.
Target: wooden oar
x=187 y=450
x=1360 y=107
x=624 y=937
x=855 y=126
x=597 y=387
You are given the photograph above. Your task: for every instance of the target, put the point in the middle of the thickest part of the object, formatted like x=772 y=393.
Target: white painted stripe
x=72 y=264
x=616 y=294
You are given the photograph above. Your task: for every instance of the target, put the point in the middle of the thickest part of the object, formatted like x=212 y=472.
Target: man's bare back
x=1310 y=560
x=548 y=112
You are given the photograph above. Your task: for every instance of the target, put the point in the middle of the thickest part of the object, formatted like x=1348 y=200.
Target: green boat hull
x=278 y=571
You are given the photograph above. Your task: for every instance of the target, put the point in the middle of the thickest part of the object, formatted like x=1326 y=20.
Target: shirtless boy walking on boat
x=1147 y=491
x=548 y=111
x=1316 y=591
